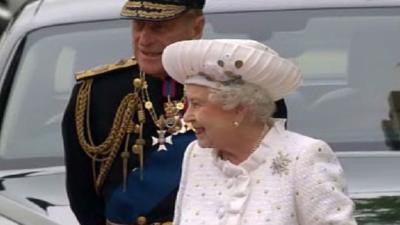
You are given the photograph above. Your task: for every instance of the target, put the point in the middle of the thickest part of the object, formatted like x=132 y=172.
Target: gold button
x=148 y=105
x=180 y=106
x=141 y=220
x=137 y=83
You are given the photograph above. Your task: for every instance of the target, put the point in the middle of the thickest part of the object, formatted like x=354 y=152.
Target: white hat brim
x=261 y=65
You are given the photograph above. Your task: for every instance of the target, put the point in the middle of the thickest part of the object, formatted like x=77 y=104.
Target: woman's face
x=213 y=125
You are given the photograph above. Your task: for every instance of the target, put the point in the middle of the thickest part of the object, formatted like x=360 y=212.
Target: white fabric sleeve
x=185 y=165
x=320 y=188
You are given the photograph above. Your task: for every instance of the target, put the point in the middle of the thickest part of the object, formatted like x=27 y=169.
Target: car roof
x=51 y=12
x=44 y=13
x=4 y=13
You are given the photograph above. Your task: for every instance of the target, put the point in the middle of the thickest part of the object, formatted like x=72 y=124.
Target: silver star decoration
x=162 y=140
x=280 y=164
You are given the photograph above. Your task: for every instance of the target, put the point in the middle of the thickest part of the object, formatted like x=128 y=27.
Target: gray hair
x=251 y=96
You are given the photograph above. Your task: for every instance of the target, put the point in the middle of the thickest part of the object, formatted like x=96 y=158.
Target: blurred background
x=7 y=9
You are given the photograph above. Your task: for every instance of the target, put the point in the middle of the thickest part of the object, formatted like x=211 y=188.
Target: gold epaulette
x=123 y=63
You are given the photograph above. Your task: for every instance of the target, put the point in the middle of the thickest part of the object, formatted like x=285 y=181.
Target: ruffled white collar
x=257 y=158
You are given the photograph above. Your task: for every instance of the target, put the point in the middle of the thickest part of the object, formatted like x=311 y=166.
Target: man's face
x=151 y=37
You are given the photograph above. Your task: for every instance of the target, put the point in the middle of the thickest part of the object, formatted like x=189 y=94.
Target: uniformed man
x=123 y=134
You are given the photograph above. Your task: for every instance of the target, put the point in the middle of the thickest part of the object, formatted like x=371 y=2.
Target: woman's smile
x=199 y=131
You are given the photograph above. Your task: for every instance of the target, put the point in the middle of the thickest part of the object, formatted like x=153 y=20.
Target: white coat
x=290 y=179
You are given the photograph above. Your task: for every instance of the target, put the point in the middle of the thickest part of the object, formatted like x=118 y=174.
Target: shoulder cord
x=105 y=152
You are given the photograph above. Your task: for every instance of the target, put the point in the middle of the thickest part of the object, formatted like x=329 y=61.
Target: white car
x=14 y=5
x=348 y=50
x=5 y=16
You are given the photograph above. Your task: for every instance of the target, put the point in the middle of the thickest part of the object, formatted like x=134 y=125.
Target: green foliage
x=378 y=211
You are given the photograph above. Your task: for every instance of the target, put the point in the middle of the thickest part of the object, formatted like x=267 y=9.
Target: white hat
x=221 y=62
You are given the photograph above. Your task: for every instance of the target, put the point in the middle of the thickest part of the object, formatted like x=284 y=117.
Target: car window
x=350 y=60
x=44 y=80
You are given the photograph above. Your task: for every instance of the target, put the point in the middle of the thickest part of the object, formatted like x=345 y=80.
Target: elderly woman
x=245 y=167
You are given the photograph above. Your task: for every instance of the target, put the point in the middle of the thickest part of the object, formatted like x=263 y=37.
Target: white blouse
x=290 y=179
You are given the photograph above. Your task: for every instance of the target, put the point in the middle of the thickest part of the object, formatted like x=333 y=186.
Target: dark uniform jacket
x=148 y=193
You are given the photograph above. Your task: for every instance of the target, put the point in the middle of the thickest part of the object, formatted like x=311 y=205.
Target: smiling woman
x=252 y=170
x=52 y=39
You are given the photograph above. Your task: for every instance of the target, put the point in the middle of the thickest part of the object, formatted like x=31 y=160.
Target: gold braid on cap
x=151 y=10
x=123 y=124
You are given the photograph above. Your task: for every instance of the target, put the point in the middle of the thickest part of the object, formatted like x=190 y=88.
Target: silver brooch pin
x=280 y=164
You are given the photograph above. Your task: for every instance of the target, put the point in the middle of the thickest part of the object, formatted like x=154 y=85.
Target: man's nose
x=147 y=36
